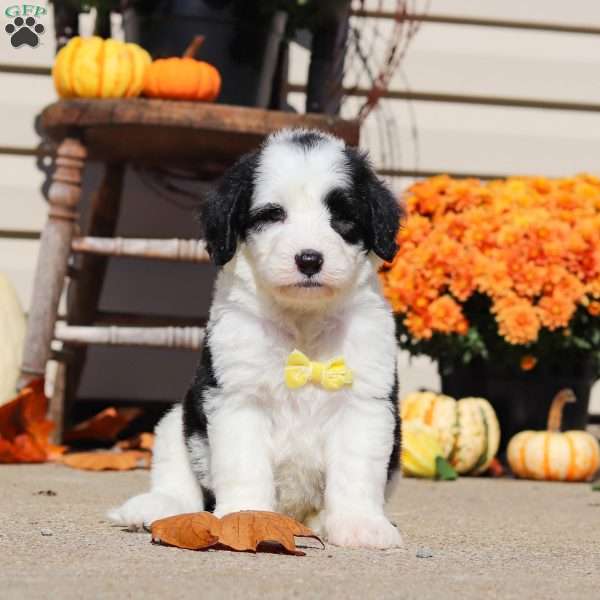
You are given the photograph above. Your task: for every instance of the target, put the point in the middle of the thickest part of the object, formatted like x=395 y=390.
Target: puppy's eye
x=263 y=215
x=345 y=219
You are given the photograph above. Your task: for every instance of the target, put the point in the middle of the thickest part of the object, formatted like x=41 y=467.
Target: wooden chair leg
x=83 y=293
x=63 y=197
x=56 y=408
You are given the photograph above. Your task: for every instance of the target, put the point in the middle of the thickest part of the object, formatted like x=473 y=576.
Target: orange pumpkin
x=183 y=78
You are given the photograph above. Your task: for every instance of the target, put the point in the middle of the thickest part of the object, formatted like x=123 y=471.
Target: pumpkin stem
x=556 y=408
x=194 y=46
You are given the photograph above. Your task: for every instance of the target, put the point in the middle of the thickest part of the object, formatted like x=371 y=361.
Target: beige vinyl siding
x=559 y=12
x=486 y=140
x=498 y=64
x=463 y=59
x=23 y=97
x=18 y=263
x=22 y=206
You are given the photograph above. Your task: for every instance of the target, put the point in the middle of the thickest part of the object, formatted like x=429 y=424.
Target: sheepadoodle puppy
x=293 y=406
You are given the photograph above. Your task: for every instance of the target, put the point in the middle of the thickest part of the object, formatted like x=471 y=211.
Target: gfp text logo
x=24 y=28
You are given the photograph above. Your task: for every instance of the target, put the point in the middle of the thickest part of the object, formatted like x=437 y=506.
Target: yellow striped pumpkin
x=96 y=68
x=467 y=429
x=552 y=455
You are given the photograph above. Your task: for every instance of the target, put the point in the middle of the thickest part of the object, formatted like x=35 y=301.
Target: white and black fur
x=298 y=229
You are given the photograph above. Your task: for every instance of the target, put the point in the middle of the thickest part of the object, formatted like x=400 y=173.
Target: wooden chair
x=149 y=133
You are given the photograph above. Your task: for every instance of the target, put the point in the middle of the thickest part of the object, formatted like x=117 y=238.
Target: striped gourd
x=552 y=455
x=96 y=68
x=467 y=429
x=421 y=454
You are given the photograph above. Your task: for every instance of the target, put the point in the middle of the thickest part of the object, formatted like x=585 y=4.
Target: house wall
x=541 y=116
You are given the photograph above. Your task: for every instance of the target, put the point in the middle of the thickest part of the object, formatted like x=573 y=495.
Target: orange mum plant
x=508 y=270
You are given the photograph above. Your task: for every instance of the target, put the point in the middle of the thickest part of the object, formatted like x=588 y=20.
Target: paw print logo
x=24 y=31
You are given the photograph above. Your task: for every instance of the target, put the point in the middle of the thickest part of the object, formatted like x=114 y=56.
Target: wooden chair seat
x=183 y=133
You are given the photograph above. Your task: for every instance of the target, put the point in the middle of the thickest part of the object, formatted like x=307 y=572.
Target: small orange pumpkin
x=183 y=78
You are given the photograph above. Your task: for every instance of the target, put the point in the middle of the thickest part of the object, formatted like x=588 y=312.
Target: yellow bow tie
x=332 y=375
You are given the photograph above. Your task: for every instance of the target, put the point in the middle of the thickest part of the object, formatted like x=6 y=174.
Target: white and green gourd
x=467 y=429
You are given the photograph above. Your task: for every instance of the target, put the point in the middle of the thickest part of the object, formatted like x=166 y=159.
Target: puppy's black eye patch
x=263 y=215
x=345 y=218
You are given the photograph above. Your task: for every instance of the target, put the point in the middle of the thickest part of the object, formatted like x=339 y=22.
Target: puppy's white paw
x=141 y=511
x=360 y=531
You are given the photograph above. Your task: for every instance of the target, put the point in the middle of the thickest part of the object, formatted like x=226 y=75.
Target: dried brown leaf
x=142 y=441
x=247 y=529
x=21 y=449
x=243 y=531
x=24 y=428
x=55 y=452
x=496 y=469
x=103 y=427
x=29 y=406
x=192 y=531
x=108 y=461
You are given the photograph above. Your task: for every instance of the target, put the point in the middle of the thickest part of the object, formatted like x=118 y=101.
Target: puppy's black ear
x=225 y=211
x=386 y=215
x=383 y=213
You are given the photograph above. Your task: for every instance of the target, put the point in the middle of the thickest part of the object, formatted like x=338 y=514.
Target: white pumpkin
x=12 y=337
x=552 y=455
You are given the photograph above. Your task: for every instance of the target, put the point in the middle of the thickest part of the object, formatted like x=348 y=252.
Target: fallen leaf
x=243 y=531
x=108 y=461
x=103 y=427
x=24 y=429
x=21 y=449
x=496 y=469
x=55 y=452
x=28 y=406
x=192 y=531
x=142 y=441
x=246 y=530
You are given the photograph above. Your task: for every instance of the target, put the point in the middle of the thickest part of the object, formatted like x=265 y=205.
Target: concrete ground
x=487 y=539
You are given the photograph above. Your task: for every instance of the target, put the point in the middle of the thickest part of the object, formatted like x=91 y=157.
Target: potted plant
x=242 y=40
x=500 y=283
x=247 y=40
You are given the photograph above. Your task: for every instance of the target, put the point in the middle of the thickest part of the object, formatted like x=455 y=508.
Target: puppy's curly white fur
x=298 y=229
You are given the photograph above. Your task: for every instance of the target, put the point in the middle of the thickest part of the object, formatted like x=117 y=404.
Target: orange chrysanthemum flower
x=418 y=326
x=446 y=316
x=555 y=311
x=530 y=245
x=594 y=309
x=528 y=362
x=519 y=323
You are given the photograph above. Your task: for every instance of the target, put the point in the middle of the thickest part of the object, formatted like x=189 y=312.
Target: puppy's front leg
x=358 y=452
x=241 y=470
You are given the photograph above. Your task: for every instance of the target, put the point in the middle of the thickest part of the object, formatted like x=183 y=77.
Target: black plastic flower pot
x=522 y=399
x=240 y=42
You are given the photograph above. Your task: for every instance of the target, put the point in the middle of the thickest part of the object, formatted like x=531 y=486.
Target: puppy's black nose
x=309 y=262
